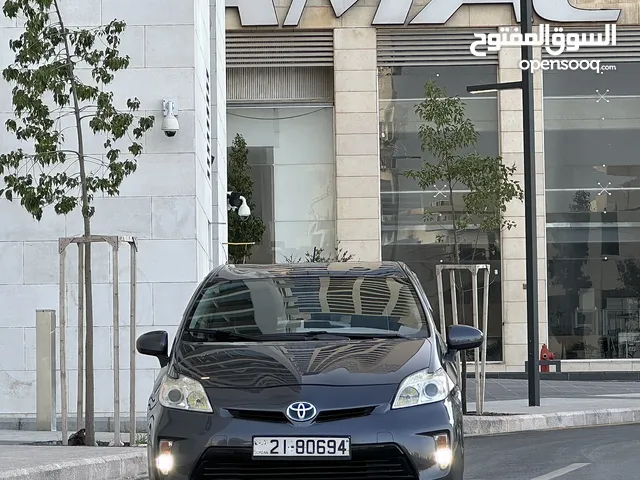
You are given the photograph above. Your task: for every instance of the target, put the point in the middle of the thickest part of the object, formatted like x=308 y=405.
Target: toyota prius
x=307 y=371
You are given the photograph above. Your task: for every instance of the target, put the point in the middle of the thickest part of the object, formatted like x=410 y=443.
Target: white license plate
x=301 y=447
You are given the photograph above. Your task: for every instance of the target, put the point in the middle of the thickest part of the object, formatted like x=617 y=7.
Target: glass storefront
x=408 y=235
x=593 y=211
x=291 y=152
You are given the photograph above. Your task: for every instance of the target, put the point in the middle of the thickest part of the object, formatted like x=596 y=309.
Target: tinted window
x=299 y=304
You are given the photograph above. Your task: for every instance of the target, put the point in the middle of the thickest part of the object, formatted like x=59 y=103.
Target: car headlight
x=423 y=387
x=184 y=393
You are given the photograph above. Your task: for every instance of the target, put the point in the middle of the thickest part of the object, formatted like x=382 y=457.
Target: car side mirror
x=462 y=337
x=154 y=344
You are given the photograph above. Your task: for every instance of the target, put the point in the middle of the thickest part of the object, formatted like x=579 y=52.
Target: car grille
x=368 y=462
x=279 y=417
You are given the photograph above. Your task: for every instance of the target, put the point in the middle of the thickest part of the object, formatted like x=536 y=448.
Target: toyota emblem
x=301 y=412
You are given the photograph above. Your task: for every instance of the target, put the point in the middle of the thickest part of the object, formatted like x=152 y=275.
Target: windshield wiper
x=227 y=336
x=223 y=335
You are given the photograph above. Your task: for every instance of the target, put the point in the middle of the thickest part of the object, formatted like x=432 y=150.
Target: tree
x=450 y=137
x=47 y=90
x=239 y=180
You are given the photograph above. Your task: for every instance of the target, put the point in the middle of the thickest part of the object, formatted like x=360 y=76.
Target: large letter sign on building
x=439 y=11
x=395 y=12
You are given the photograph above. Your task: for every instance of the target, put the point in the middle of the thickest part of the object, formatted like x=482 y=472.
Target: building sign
x=262 y=13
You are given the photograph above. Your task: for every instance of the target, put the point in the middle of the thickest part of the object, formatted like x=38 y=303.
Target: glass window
x=352 y=304
x=592 y=164
x=416 y=224
x=291 y=152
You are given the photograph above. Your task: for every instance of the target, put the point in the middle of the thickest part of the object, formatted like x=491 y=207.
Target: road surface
x=595 y=453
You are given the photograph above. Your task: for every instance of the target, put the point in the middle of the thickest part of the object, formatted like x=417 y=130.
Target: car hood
x=277 y=364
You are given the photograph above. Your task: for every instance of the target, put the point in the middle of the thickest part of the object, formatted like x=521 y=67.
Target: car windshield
x=295 y=307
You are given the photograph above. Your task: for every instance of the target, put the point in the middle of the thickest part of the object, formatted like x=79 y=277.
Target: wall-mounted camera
x=170 y=124
x=235 y=201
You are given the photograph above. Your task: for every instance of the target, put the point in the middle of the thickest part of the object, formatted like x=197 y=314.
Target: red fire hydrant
x=545 y=354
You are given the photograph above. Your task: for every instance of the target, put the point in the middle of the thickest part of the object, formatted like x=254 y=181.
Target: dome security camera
x=244 y=211
x=238 y=203
x=170 y=124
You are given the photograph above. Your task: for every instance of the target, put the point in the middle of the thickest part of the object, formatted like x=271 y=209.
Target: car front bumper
x=387 y=444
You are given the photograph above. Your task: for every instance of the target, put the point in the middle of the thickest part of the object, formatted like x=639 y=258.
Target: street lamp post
x=528 y=122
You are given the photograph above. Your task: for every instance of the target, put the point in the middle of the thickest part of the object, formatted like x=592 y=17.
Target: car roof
x=333 y=269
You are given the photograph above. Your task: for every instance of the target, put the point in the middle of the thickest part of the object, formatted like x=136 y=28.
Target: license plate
x=302 y=447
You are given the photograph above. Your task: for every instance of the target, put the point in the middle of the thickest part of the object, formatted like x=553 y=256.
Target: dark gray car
x=307 y=371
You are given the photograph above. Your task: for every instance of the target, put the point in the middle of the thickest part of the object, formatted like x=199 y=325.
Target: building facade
x=174 y=204
x=324 y=92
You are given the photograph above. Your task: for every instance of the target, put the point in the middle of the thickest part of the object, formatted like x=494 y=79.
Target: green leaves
x=51 y=100
x=239 y=180
x=450 y=137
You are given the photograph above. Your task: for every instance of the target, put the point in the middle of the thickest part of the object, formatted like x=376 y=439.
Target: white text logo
x=584 y=65
x=554 y=43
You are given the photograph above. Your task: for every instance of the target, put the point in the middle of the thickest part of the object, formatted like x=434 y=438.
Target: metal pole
x=454 y=320
x=476 y=351
x=63 y=343
x=132 y=346
x=80 y=393
x=443 y=325
x=116 y=350
x=533 y=375
x=485 y=330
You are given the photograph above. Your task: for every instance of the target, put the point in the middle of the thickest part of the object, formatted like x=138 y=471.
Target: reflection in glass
x=593 y=212
x=298 y=304
x=415 y=224
x=291 y=152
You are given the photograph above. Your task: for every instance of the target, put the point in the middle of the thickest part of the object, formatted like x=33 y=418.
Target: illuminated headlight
x=443 y=455
x=184 y=393
x=164 y=460
x=422 y=388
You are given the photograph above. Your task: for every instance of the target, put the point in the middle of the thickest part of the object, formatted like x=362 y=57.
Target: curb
x=122 y=466
x=497 y=424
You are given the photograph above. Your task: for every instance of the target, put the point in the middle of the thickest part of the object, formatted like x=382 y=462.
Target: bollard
x=46 y=370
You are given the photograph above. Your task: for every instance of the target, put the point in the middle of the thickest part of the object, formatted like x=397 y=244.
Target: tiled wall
x=513 y=253
x=166 y=204
x=357 y=143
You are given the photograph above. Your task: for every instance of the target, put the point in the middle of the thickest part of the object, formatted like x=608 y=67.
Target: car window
x=352 y=304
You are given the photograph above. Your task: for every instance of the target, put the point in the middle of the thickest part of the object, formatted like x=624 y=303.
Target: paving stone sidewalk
x=18 y=462
x=515 y=389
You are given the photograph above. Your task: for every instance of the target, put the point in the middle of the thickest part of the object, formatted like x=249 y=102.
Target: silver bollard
x=46 y=370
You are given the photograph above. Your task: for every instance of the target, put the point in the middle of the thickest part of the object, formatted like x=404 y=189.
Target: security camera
x=244 y=212
x=170 y=124
x=235 y=201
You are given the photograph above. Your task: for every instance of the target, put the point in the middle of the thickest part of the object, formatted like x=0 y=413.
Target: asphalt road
x=597 y=453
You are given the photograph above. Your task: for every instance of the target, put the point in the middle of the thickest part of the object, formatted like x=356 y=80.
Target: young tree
x=450 y=137
x=317 y=256
x=239 y=179
x=47 y=90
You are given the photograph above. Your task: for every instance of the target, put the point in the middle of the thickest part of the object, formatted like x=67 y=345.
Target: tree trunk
x=86 y=215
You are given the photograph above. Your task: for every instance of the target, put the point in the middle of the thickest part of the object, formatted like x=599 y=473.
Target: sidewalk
x=25 y=455
x=18 y=462
x=553 y=413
